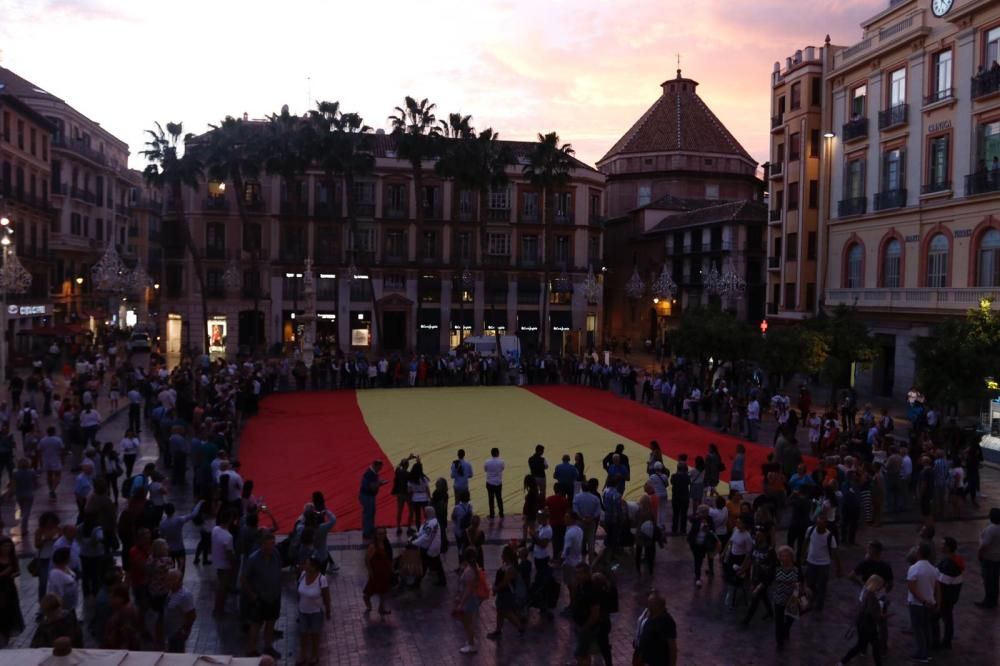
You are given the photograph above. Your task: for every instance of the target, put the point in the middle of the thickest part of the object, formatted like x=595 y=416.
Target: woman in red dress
x=378 y=562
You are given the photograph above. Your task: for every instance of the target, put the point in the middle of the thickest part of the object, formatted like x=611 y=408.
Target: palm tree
x=287 y=153
x=171 y=169
x=457 y=126
x=416 y=131
x=548 y=167
x=231 y=151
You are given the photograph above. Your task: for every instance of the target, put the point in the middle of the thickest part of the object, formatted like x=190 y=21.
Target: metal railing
x=855 y=129
x=939 y=96
x=498 y=215
x=394 y=213
x=777 y=168
x=82 y=194
x=986 y=83
x=982 y=182
x=216 y=203
x=890 y=199
x=925 y=298
x=776 y=121
x=852 y=206
x=364 y=209
x=892 y=117
x=80 y=148
x=941 y=186
x=774 y=263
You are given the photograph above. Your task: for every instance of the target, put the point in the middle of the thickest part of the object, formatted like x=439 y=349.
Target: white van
x=486 y=345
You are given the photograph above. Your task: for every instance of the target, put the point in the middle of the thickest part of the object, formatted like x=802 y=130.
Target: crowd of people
x=123 y=557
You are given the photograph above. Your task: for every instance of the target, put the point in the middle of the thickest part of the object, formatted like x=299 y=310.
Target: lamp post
x=14 y=279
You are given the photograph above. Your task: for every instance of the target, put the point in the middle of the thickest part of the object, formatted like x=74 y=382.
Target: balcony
x=215 y=252
x=699 y=248
x=982 y=182
x=294 y=208
x=892 y=117
x=773 y=263
x=597 y=220
x=985 y=84
x=529 y=261
x=393 y=259
x=565 y=217
x=777 y=168
x=498 y=260
x=855 y=129
x=433 y=212
x=60 y=188
x=939 y=96
x=465 y=215
x=776 y=121
x=955 y=300
x=81 y=194
x=79 y=148
x=890 y=199
x=215 y=291
x=498 y=215
x=884 y=39
x=529 y=217
x=328 y=210
x=10 y=193
x=772 y=308
x=254 y=205
x=774 y=215
x=216 y=204
x=933 y=188
x=852 y=206
x=292 y=255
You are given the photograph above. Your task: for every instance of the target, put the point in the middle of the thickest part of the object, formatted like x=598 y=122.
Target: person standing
x=314 y=605
x=659 y=480
x=537 y=466
x=134 y=409
x=62 y=580
x=753 y=418
x=461 y=472
x=370 y=484
x=179 y=613
x=655 y=641
x=873 y=564
x=494 y=468
x=921 y=584
x=378 y=563
x=680 y=484
x=25 y=481
x=870 y=616
x=949 y=579
x=260 y=586
x=587 y=506
x=467 y=598
x=11 y=620
x=821 y=551
x=567 y=475
x=428 y=540
x=989 y=558
x=223 y=559
x=400 y=477
x=786 y=590
x=52 y=453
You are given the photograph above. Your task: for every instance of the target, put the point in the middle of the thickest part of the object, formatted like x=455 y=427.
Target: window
x=810 y=296
x=793 y=196
x=988 y=146
x=463 y=247
x=562 y=249
x=498 y=245
x=34 y=140
x=99 y=228
x=364 y=193
x=791 y=247
x=595 y=205
x=394 y=282
x=794 y=147
x=214 y=286
x=74 y=224
x=594 y=249
x=816 y=93
x=428 y=245
x=892 y=170
x=395 y=244
x=564 y=205
x=992 y=47
x=500 y=198
x=892 y=257
x=937 y=262
x=363 y=240
x=937 y=177
x=777 y=246
x=397 y=199
x=530 y=203
x=781 y=153
x=942 y=76
x=712 y=191
x=215 y=239
x=529 y=248
x=431 y=200
x=325 y=242
x=20 y=134
x=814 y=143
x=813 y=194
x=859 y=96
x=796 y=95
x=989 y=259
x=779 y=200
x=811 y=246
x=856 y=178
x=6 y=126
x=790 y=296
x=645 y=195
x=855 y=265
x=466 y=202
x=251 y=237
x=897 y=88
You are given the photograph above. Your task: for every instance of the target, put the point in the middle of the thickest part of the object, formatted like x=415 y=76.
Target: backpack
x=128 y=484
x=829 y=538
x=482 y=585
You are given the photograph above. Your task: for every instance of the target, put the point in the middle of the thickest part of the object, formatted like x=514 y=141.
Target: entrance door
x=249 y=337
x=393 y=331
x=174 y=325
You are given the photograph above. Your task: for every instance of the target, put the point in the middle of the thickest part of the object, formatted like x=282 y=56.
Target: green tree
x=287 y=153
x=849 y=341
x=954 y=362
x=548 y=168
x=794 y=349
x=172 y=168
x=710 y=337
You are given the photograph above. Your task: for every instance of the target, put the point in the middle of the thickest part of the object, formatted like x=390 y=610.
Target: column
x=444 y=339
x=478 y=306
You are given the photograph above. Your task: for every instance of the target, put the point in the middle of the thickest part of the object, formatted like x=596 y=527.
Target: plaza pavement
x=421 y=630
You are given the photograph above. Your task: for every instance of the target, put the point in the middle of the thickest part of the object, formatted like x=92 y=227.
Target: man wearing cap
x=370 y=484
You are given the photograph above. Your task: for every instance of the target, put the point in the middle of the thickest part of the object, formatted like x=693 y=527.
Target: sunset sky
x=584 y=68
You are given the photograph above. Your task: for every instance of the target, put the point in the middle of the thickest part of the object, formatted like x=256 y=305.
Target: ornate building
x=683 y=197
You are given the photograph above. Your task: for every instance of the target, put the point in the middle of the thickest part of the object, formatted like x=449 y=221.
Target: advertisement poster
x=217 y=335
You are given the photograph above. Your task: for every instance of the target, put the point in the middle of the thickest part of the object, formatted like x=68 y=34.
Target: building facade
x=673 y=178
x=413 y=289
x=909 y=177
x=87 y=187
x=793 y=235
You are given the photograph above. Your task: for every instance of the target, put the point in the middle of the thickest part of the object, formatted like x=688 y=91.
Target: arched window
x=892 y=256
x=937 y=262
x=989 y=259
x=855 y=266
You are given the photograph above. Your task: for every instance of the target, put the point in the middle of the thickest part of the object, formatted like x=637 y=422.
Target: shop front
x=428 y=329
x=495 y=322
x=326 y=329
x=291 y=325
x=175 y=333
x=461 y=326
x=527 y=330
x=560 y=325
x=361 y=330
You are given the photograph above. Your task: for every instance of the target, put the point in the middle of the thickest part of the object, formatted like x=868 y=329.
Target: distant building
x=679 y=160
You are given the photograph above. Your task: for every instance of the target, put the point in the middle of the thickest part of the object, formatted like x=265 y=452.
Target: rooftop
x=730 y=211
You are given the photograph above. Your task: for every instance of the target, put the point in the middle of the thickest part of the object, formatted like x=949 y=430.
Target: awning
x=57 y=331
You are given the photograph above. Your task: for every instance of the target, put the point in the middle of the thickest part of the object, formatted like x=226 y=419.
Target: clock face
x=941 y=7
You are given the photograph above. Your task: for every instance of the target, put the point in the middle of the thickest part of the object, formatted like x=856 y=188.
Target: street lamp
x=13 y=279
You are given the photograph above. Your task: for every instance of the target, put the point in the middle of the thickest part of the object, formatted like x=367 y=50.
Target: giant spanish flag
x=302 y=442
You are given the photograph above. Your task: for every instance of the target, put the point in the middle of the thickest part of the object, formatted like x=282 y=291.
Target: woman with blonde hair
x=867 y=622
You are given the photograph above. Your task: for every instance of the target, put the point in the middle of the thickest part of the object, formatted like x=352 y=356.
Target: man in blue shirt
x=567 y=474
x=370 y=484
x=461 y=472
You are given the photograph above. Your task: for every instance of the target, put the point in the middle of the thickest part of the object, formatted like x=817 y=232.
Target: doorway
x=393 y=331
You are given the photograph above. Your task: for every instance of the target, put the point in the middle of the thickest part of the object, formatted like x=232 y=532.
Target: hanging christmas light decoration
x=727 y=284
x=635 y=286
x=139 y=279
x=110 y=273
x=14 y=278
x=591 y=289
x=664 y=287
x=232 y=278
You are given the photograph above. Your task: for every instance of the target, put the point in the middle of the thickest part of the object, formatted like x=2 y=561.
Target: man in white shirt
x=821 y=551
x=541 y=549
x=494 y=481
x=921 y=582
x=753 y=419
x=572 y=553
x=428 y=540
x=224 y=558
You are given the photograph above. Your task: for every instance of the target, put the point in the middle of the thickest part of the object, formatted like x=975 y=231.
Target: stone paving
x=421 y=630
